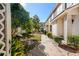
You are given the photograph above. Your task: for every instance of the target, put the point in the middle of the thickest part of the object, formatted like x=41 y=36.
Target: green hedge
x=49 y=34
x=58 y=39
x=73 y=41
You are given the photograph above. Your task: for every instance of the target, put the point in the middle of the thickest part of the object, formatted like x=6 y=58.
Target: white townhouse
x=64 y=20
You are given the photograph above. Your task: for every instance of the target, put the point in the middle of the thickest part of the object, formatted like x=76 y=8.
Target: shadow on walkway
x=38 y=51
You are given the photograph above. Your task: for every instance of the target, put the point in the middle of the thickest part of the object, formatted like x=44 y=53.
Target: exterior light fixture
x=72 y=21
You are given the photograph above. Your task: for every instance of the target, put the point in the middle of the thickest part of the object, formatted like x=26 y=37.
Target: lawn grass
x=36 y=37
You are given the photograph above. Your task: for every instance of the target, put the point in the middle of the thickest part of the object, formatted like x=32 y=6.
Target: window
x=69 y=5
x=64 y=6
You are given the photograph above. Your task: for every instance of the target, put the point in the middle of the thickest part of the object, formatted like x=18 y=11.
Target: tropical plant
x=17 y=48
x=20 y=18
x=58 y=39
x=49 y=34
x=73 y=41
x=29 y=47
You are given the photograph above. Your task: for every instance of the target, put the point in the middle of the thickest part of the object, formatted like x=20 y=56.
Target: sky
x=41 y=9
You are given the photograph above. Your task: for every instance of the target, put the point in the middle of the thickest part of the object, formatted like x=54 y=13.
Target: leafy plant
x=73 y=41
x=1 y=54
x=49 y=34
x=29 y=26
x=19 y=16
x=29 y=47
x=58 y=39
x=36 y=23
x=17 y=48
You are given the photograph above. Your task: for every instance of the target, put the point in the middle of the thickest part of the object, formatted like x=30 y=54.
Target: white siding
x=69 y=5
x=60 y=9
x=75 y=3
x=52 y=16
x=60 y=26
x=75 y=26
x=54 y=28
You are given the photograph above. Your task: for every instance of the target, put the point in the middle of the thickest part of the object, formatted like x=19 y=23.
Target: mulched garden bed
x=68 y=48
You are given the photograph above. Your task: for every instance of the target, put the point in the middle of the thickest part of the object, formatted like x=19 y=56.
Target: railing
x=61 y=8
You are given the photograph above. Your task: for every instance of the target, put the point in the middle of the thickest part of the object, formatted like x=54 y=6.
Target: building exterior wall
x=48 y=25
x=54 y=28
x=60 y=8
x=73 y=27
x=62 y=20
x=60 y=27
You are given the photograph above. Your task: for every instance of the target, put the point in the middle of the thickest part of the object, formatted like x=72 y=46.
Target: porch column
x=67 y=27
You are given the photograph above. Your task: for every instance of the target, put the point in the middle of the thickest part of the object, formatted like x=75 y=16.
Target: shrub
x=58 y=39
x=17 y=48
x=45 y=32
x=74 y=41
x=34 y=41
x=24 y=35
x=29 y=47
x=49 y=34
x=1 y=54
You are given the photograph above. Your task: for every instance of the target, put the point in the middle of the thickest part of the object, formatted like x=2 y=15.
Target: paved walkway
x=46 y=48
x=50 y=48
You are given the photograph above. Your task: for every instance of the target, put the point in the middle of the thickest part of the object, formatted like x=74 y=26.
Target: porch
x=66 y=24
